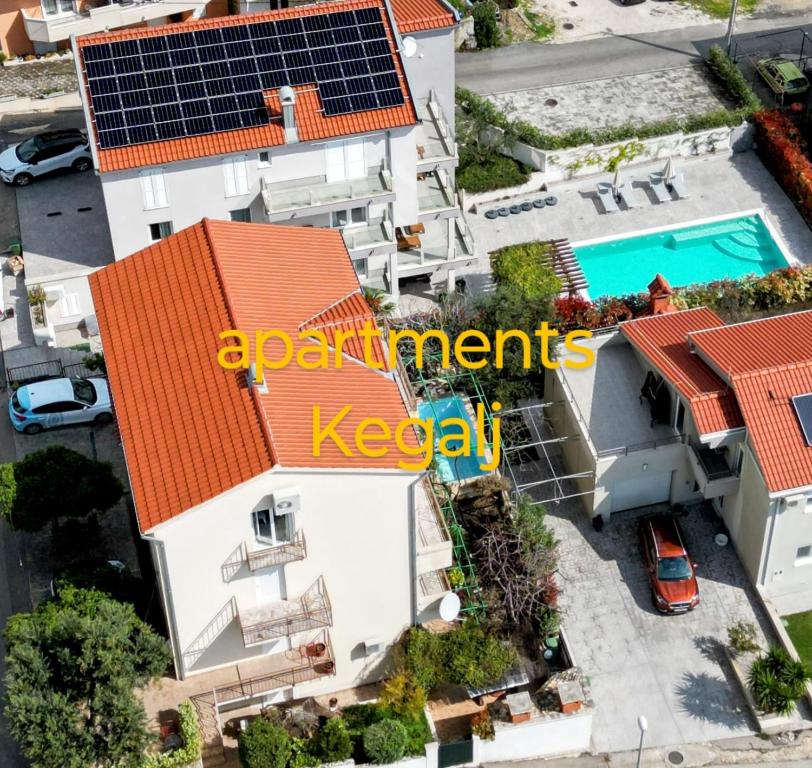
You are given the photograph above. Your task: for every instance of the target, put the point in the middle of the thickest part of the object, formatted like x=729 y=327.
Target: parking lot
x=671 y=669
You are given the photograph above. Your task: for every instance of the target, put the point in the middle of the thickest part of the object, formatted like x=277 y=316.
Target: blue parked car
x=58 y=402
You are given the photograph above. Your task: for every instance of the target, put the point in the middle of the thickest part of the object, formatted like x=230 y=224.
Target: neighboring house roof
x=311 y=120
x=421 y=15
x=765 y=398
x=766 y=343
x=662 y=339
x=192 y=430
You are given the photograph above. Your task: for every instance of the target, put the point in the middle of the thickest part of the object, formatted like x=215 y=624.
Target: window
x=355 y=217
x=154 y=188
x=69 y=305
x=160 y=230
x=803 y=555
x=361 y=268
x=739 y=460
x=235 y=174
x=57 y=7
x=241 y=214
x=84 y=391
x=272 y=528
x=345 y=160
x=264 y=160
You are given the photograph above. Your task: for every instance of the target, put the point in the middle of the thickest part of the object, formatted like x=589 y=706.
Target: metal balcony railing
x=280 y=554
x=261 y=625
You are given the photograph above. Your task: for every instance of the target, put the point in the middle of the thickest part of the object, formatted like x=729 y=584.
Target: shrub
x=777 y=681
x=302 y=754
x=264 y=744
x=403 y=695
x=482 y=725
x=495 y=172
x=385 y=742
x=190 y=736
x=526 y=266
x=732 y=78
x=333 y=742
x=486 y=25
x=741 y=637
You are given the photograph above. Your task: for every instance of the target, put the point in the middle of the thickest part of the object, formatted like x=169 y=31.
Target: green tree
x=58 y=482
x=486 y=24
x=385 y=742
x=264 y=744
x=378 y=303
x=72 y=666
x=333 y=743
x=8 y=489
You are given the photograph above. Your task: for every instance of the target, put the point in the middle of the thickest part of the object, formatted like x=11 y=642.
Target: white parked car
x=44 y=153
x=56 y=402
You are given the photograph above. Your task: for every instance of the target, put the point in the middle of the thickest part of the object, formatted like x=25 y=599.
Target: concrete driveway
x=668 y=668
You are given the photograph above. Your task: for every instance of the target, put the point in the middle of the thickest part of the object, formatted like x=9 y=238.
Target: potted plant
x=36 y=300
x=315 y=650
x=777 y=681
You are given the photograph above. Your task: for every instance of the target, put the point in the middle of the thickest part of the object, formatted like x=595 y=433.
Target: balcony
x=443 y=242
x=435 y=142
x=286 y=202
x=711 y=472
x=280 y=554
x=436 y=197
x=434 y=550
x=283 y=618
x=371 y=240
x=82 y=17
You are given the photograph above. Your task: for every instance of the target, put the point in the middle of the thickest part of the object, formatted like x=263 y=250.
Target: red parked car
x=671 y=571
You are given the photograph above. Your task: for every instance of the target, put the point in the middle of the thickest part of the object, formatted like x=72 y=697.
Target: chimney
x=660 y=296
x=251 y=378
x=287 y=98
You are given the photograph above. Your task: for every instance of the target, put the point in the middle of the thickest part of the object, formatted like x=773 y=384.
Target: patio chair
x=679 y=187
x=628 y=195
x=656 y=184
x=607 y=197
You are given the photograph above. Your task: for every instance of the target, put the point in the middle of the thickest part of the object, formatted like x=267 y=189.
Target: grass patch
x=496 y=172
x=543 y=25
x=799 y=627
x=720 y=9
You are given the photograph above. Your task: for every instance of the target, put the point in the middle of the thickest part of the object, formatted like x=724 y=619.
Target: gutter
x=91 y=134
x=169 y=603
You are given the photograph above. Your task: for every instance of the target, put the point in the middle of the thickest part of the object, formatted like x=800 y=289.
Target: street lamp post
x=642 y=724
x=731 y=25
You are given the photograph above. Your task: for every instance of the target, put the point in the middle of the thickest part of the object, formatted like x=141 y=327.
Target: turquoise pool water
x=695 y=254
x=462 y=467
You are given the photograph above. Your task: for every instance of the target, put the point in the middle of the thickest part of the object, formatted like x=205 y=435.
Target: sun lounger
x=678 y=185
x=607 y=198
x=657 y=186
x=628 y=195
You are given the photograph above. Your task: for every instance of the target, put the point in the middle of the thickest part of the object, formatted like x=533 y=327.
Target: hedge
x=526 y=266
x=731 y=77
x=190 y=736
x=497 y=172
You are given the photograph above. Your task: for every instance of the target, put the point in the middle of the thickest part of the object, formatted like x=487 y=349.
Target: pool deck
x=718 y=185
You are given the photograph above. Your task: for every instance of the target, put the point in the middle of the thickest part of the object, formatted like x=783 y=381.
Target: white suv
x=44 y=153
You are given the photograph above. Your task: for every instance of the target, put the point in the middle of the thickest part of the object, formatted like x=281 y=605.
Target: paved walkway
x=615 y=101
x=38 y=77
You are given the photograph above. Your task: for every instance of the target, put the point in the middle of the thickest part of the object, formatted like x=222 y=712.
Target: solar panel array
x=211 y=80
x=803 y=410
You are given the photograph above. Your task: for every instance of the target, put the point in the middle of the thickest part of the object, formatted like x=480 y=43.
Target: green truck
x=783 y=77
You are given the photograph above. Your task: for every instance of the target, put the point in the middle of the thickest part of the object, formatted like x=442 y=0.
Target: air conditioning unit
x=373 y=645
x=287 y=501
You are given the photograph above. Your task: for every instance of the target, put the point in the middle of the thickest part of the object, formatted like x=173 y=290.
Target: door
x=269 y=588
x=455 y=753
x=335 y=162
x=345 y=160
x=641 y=491
x=49 y=158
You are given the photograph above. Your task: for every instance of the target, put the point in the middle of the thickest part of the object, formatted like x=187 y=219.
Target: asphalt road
x=14 y=592
x=530 y=65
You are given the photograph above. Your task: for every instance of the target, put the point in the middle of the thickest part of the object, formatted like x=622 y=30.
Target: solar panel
x=803 y=410
x=211 y=80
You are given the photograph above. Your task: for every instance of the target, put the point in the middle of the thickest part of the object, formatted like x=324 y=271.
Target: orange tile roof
x=192 y=430
x=765 y=397
x=421 y=15
x=766 y=343
x=662 y=339
x=314 y=124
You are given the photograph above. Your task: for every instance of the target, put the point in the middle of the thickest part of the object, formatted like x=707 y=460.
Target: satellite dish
x=450 y=607
x=409 y=48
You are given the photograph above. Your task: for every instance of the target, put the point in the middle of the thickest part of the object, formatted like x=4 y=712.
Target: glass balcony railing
x=280 y=200
x=373 y=236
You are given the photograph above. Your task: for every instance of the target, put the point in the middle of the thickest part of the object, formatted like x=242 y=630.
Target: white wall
x=432 y=69
x=55 y=310
x=357 y=529
x=539 y=737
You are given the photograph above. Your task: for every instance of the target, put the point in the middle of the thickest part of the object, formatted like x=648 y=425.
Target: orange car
x=671 y=572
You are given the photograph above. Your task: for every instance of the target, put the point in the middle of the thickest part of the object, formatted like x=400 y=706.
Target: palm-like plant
x=777 y=681
x=378 y=303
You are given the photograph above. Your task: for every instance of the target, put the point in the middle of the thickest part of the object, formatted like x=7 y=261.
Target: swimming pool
x=698 y=253
x=452 y=469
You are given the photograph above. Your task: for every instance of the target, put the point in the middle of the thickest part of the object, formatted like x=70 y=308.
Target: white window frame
x=805 y=559
x=235 y=175
x=348 y=212
x=69 y=302
x=345 y=160
x=272 y=539
x=231 y=216
x=267 y=161
x=158 y=224
x=153 y=189
x=363 y=273
x=59 y=13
